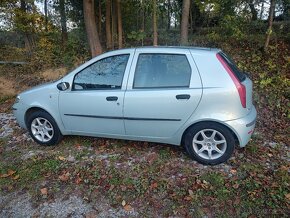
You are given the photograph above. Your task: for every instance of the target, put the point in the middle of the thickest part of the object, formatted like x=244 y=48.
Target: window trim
x=100 y=89
x=161 y=87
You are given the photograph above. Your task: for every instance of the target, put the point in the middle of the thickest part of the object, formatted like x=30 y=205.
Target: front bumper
x=19 y=113
x=244 y=127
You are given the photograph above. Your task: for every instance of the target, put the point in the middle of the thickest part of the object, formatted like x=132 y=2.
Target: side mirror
x=63 y=86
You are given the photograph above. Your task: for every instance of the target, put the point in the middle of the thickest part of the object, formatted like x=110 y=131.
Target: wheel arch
x=33 y=109
x=237 y=141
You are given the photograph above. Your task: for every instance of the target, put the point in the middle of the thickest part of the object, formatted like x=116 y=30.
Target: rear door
x=164 y=89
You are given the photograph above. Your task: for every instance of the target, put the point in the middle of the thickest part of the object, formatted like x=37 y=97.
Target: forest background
x=43 y=40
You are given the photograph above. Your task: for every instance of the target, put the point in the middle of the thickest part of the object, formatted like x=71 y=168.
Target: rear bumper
x=244 y=127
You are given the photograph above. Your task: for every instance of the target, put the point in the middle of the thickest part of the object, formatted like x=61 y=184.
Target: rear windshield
x=240 y=75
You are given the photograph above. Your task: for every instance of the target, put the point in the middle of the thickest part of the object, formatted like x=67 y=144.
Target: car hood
x=38 y=88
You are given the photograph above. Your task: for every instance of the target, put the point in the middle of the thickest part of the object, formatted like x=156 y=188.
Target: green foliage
x=137 y=36
x=233 y=26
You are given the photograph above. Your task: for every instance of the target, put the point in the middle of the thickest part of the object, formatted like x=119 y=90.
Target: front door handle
x=112 y=98
x=179 y=97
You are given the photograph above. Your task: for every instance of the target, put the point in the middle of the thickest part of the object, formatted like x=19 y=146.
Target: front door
x=94 y=103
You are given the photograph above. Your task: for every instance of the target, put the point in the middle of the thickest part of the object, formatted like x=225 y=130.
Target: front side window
x=162 y=71
x=106 y=73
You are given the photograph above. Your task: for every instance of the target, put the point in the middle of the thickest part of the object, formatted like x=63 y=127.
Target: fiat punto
x=196 y=97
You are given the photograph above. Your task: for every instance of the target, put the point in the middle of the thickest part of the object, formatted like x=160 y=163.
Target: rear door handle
x=179 y=97
x=112 y=98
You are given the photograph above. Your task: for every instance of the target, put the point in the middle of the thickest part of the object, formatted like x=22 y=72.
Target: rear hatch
x=242 y=82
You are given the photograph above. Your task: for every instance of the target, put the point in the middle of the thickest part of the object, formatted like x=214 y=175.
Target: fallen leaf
x=232 y=171
x=16 y=177
x=78 y=180
x=43 y=191
x=235 y=186
x=123 y=188
x=190 y=192
x=128 y=207
x=187 y=198
x=62 y=158
x=64 y=177
x=78 y=146
x=9 y=173
x=288 y=196
x=154 y=185
x=123 y=203
x=4 y=175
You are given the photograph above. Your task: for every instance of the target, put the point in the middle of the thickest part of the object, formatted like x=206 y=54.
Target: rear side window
x=162 y=71
x=231 y=64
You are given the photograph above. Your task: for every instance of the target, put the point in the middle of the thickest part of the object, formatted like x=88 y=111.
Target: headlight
x=17 y=99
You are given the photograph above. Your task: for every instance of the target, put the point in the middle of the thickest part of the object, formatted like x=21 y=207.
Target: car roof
x=195 y=49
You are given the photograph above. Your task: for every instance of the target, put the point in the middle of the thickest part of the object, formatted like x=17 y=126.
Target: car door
x=94 y=104
x=164 y=89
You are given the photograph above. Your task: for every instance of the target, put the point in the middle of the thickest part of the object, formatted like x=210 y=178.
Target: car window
x=106 y=73
x=240 y=75
x=162 y=71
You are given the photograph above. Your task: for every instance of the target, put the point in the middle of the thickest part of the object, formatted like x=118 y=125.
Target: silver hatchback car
x=196 y=97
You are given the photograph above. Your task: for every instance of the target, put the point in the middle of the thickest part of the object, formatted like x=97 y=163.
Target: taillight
x=240 y=87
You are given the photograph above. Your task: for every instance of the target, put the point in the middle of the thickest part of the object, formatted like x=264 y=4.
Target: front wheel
x=209 y=143
x=43 y=129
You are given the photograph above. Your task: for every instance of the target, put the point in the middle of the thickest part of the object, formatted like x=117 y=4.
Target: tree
x=25 y=24
x=63 y=22
x=45 y=15
x=155 y=35
x=184 y=22
x=108 y=24
x=253 y=10
x=91 y=27
x=120 y=27
x=270 y=23
x=100 y=18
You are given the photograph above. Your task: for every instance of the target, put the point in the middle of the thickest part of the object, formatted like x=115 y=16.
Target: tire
x=43 y=128
x=209 y=143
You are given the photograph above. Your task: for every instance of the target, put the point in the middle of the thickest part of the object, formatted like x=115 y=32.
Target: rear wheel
x=209 y=143
x=43 y=129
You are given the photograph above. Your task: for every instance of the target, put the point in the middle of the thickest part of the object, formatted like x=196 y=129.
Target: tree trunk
x=143 y=18
x=114 y=22
x=108 y=24
x=253 y=10
x=100 y=18
x=45 y=15
x=262 y=10
x=191 y=19
x=28 y=38
x=184 y=22
x=120 y=27
x=155 y=36
x=63 y=22
x=270 y=23
x=91 y=27
x=168 y=15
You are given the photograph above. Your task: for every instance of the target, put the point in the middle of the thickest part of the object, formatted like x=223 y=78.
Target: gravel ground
x=19 y=205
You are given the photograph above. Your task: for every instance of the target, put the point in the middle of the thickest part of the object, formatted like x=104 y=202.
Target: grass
x=154 y=179
x=179 y=186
